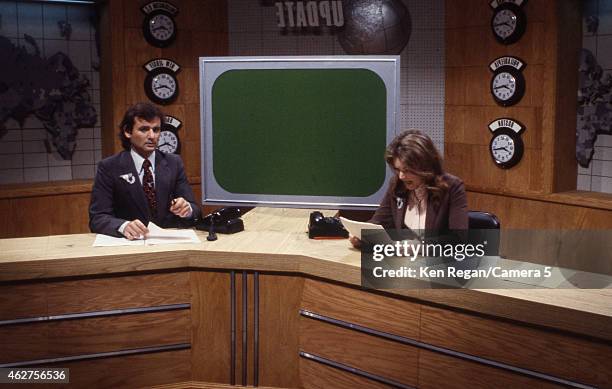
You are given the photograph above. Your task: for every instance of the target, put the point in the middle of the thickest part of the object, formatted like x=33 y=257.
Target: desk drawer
x=368 y=309
x=317 y=376
x=23 y=300
x=378 y=356
x=64 y=338
x=437 y=371
x=118 y=292
x=555 y=354
x=130 y=372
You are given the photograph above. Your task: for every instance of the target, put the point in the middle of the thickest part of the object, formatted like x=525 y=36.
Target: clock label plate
x=159 y=6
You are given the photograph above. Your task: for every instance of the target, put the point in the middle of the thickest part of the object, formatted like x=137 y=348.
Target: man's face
x=144 y=135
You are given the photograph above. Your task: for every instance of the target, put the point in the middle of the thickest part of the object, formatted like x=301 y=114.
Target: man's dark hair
x=146 y=111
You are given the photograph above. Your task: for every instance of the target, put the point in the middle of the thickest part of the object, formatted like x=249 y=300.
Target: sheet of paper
x=354 y=227
x=110 y=241
x=158 y=235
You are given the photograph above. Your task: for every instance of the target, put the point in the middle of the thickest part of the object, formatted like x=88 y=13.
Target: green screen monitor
x=297 y=131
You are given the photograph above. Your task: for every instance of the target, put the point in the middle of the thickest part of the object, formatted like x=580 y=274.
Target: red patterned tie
x=149 y=187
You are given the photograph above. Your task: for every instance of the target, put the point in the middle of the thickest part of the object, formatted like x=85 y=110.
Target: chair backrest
x=483 y=220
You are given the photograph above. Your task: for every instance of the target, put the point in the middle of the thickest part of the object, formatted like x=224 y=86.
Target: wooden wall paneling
x=455 y=86
x=317 y=376
x=375 y=355
x=279 y=304
x=564 y=356
x=178 y=111
x=477 y=81
x=523 y=213
x=45 y=215
x=211 y=44
x=210 y=16
x=192 y=121
x=137 y=51
x=455 y=14
x=180 y=50
x=438 y=371
x=549 y=85
x=190 y=77
x=569 y=35
x=112 y=75
x=210 y=316
x=117 y=292
x=455 y=124
x=134 y=90
x=532 y=42
x=534 y=94
x=129 y=372
x=360 y=307
x=133 y=16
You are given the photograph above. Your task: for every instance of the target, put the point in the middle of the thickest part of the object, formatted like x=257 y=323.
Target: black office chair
x=484 y=226
x=483 y=221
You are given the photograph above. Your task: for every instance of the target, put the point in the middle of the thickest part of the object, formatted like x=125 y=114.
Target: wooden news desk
x=270 y=307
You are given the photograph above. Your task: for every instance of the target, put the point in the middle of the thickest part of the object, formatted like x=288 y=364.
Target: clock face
x=163 y=86
x=508 y=23
x=168 y=142
x=506 y=148
x=161 y=27
x=504 y=23
x=507 y=86
x=502 y=148
x=503 y=86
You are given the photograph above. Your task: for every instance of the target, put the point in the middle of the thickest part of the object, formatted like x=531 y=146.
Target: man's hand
x=180 y=207
x=135 y=230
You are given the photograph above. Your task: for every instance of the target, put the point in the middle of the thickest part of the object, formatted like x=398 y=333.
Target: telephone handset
x=224 y=221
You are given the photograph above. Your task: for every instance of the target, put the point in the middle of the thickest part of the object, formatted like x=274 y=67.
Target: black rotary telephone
x=224 y=221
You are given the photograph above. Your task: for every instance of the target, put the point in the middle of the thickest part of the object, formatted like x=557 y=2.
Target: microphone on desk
x=212 y=235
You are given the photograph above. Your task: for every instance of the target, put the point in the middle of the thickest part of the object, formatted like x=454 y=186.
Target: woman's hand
x=355 y=241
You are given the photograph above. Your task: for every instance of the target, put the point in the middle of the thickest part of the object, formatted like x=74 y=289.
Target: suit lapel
x=135 y=189
x=430 y=217
x=162 y=183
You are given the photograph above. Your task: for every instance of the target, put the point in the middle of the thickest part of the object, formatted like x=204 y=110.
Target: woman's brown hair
x=417 y=153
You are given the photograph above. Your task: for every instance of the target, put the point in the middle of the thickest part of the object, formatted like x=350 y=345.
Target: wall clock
x=169 y=141
x=506 y=146
x=159 y=27
x=161 y=85
x=509 y=21
x=508 y=83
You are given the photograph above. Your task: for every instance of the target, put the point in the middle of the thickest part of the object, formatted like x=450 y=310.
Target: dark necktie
x=149 y=187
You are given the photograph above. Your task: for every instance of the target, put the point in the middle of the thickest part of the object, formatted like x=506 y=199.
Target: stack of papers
x=156 y=236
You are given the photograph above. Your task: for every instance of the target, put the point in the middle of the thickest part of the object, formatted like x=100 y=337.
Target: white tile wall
x=35 y=160
x=8 y=28
x=23 y=154
x=36 y=174
x=11 y=176
x=80 y=172
x=11 y=161
x=29 y=19
x=58 y=173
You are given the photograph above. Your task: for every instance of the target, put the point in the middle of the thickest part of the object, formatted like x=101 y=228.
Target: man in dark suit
x=140 y=184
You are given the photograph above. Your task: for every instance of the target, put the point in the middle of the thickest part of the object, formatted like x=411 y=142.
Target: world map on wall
x=50 y=88
x=594 y=116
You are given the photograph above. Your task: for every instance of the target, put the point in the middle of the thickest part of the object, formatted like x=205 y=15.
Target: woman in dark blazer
x=420 y=195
